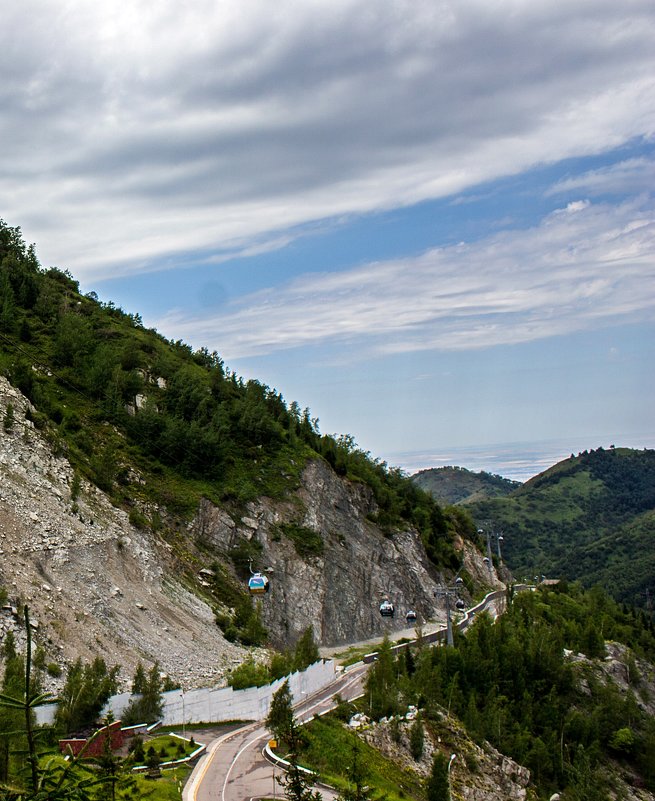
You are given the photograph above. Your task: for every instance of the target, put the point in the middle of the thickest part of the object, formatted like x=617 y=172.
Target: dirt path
x=343 y=651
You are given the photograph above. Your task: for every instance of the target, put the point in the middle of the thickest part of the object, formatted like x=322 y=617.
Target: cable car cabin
x=460 y=604
x=258 y=584
x=410 y=617
x=386 y=609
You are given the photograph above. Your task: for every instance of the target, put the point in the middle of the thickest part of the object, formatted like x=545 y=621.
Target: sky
x=431 y=222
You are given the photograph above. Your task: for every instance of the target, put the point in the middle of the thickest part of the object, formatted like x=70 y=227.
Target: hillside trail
x=346 y=650
x=493 y=605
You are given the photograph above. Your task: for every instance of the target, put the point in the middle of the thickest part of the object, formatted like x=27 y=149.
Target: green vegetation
x=589 y=518
x=170 y=748
x=280 y=720
x=147 y=703
x=512 y=684
x=307 y=542
x=166 y=788
x=437 y=787
x=31 y=768
x=85 y=692
x=251 y=674
x=158 y=425
x=329 y=750
x=457 y=485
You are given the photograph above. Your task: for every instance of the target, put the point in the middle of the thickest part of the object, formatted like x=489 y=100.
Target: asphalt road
x=234 y=769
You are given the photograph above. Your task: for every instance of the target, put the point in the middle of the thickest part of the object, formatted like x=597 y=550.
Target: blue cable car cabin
x=410 y=617
x=258 y=584
x=386 y=609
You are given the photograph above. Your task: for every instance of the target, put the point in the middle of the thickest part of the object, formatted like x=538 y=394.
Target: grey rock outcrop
x=478 y=773
x=338 y=590
x=95 y=584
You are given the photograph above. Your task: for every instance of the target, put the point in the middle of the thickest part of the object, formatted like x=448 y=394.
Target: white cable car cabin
x=386 y=609
x=258 y=584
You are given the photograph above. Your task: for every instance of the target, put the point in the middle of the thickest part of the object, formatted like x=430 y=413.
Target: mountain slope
x=141 y=481
x=590 y=517
x=457 y=485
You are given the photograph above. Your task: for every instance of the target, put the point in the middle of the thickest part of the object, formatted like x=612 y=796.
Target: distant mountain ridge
x=590 y=517
x=458 y=485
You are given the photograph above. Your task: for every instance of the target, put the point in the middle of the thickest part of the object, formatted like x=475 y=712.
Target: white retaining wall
x=218 y=705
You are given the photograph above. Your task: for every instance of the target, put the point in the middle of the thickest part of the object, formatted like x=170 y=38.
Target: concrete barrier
x=222 y=704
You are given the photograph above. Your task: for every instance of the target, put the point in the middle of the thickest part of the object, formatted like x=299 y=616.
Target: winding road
x=234 y=767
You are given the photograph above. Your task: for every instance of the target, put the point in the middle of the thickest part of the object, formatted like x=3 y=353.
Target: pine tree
x=382 y=684
x=147 y=705
x=356 y=775
x=437 y=787
x=417 y=738
x=297 y=782
x=306 y=651
x=280 y=716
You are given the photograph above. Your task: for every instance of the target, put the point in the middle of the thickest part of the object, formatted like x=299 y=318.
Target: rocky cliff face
x=337 y=591
x=95 y=584
x=479 y=773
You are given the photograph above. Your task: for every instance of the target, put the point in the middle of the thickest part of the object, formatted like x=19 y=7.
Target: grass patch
x=306 y=541
x=130 y=786
x=353 y=654
x=329 y=751
x=168 y=787
x=169 y=748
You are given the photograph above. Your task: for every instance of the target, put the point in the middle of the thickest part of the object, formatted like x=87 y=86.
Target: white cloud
x=631 y=176
x=582 y=267
x=135 y=131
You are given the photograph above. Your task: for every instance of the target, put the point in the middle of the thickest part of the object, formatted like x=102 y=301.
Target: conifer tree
x=297 y=782
x=306 y=651
x=382 y=684
x=437 y=788
x=417 y=738
x=356 y=775
x=280 y=716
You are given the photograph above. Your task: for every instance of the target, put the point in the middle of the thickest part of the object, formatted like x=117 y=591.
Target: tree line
x=92 y=369
x=512 y=683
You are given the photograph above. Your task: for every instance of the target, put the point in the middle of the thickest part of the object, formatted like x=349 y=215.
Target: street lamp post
x=450 y=763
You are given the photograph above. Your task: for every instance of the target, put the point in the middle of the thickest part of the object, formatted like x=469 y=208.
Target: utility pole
x=447 y=593
x=490 y=535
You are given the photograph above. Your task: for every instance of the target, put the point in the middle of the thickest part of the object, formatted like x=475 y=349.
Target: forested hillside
x=561 y=683
x=458 y=485
x=128 y=407
x=590 y=517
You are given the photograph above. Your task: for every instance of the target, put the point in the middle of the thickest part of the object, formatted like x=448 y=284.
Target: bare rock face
x=338 y=590
x=94 y=584
x=97 y=585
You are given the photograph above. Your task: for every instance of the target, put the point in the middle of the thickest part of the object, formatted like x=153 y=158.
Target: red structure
x=95 y=745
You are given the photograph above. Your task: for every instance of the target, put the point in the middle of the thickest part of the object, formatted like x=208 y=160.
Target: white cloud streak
x=626 y=177
x=582 y=267
x=136 y=131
